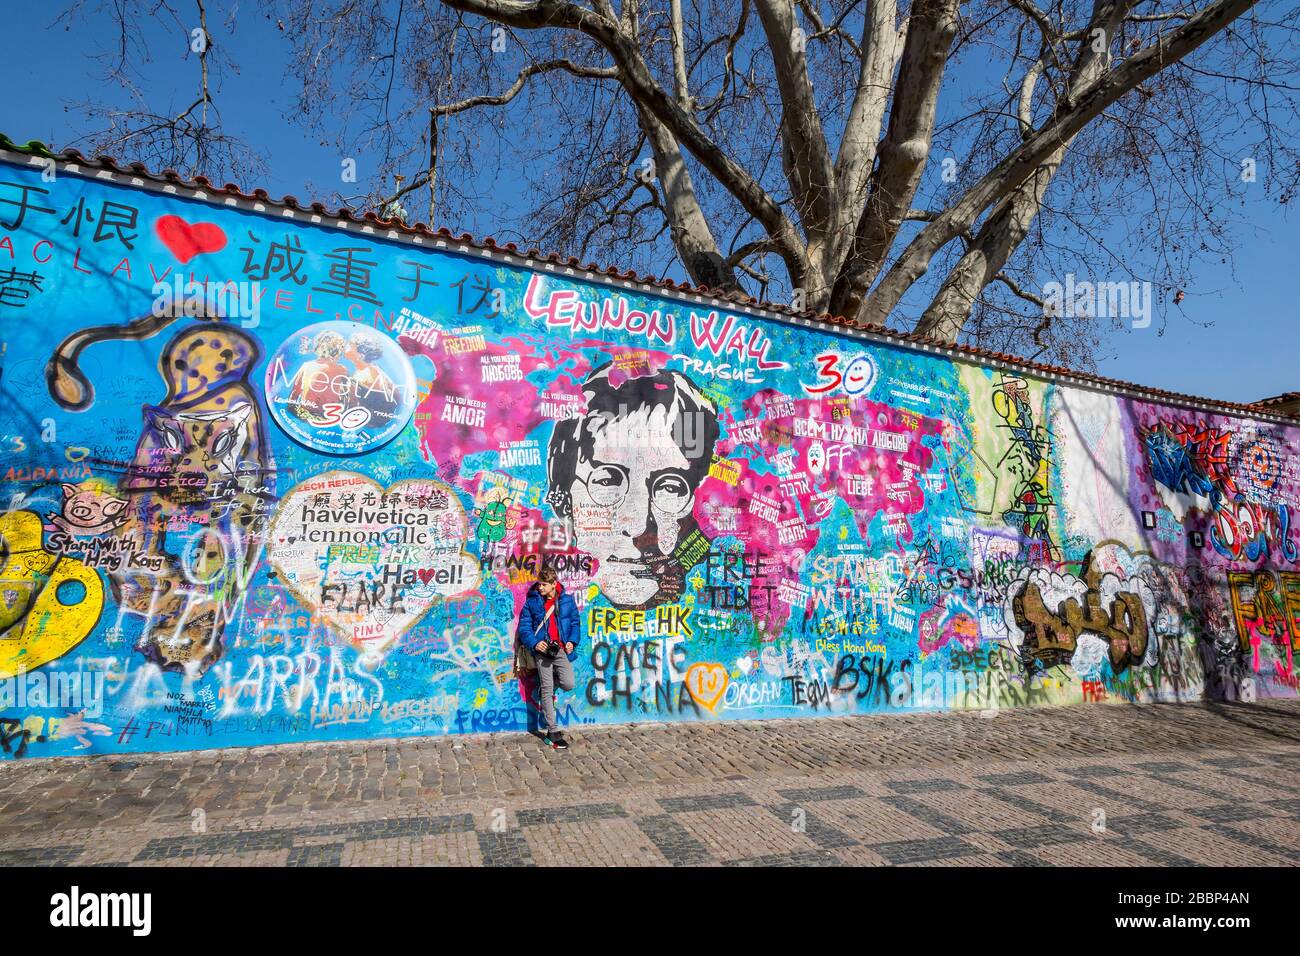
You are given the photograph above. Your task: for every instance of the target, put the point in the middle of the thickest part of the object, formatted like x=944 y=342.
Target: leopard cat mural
x=200 y=486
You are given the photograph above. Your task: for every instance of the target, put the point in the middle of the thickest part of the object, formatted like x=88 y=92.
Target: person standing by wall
x=550 y=629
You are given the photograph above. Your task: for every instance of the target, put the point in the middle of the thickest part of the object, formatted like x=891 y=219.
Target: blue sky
x=1234 y=339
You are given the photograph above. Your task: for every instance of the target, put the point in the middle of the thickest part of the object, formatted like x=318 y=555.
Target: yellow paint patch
x=48 y=604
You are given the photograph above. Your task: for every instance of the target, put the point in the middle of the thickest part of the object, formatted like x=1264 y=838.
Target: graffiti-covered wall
x=270 y=477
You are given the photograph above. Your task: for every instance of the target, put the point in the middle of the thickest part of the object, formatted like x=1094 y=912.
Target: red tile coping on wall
x=1286 y=398
x=205 y=187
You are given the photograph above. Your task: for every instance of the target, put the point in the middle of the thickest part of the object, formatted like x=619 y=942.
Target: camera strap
x=546 y=617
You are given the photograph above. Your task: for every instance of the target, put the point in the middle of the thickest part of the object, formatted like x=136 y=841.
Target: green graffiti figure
x=492 y=526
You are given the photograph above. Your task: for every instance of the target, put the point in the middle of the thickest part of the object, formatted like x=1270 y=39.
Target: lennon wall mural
x=270 y=480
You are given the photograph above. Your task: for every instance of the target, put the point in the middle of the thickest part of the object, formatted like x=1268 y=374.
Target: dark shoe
x=557 y=741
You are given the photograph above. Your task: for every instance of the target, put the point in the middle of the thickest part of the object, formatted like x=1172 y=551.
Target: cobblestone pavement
x=1198 y=784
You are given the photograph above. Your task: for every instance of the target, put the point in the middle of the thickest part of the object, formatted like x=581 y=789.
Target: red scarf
x=554 y=619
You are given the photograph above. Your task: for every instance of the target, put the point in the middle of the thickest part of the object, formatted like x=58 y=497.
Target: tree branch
x=618 y=40
x=805 y=156
x=882 y=44
x=692 y=236
x=905 y=148
x=500 y=99
x=1017 y=166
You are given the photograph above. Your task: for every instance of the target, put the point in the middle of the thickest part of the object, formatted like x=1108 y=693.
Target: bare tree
x=926 y=165
x=190 y=138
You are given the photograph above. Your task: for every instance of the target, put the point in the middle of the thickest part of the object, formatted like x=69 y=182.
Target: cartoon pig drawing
x=90 y=508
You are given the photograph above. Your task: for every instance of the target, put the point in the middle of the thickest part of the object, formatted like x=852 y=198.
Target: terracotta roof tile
x=1277 y=400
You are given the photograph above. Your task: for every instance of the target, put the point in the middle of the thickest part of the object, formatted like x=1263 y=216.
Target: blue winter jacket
x=566 y=614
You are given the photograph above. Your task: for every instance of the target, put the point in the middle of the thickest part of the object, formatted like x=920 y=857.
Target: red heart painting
x=187 y=240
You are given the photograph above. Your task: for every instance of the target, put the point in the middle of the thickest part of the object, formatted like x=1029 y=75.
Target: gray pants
x=548 y=670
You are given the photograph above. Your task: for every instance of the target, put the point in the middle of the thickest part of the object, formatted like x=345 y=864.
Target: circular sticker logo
x=341 y=388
